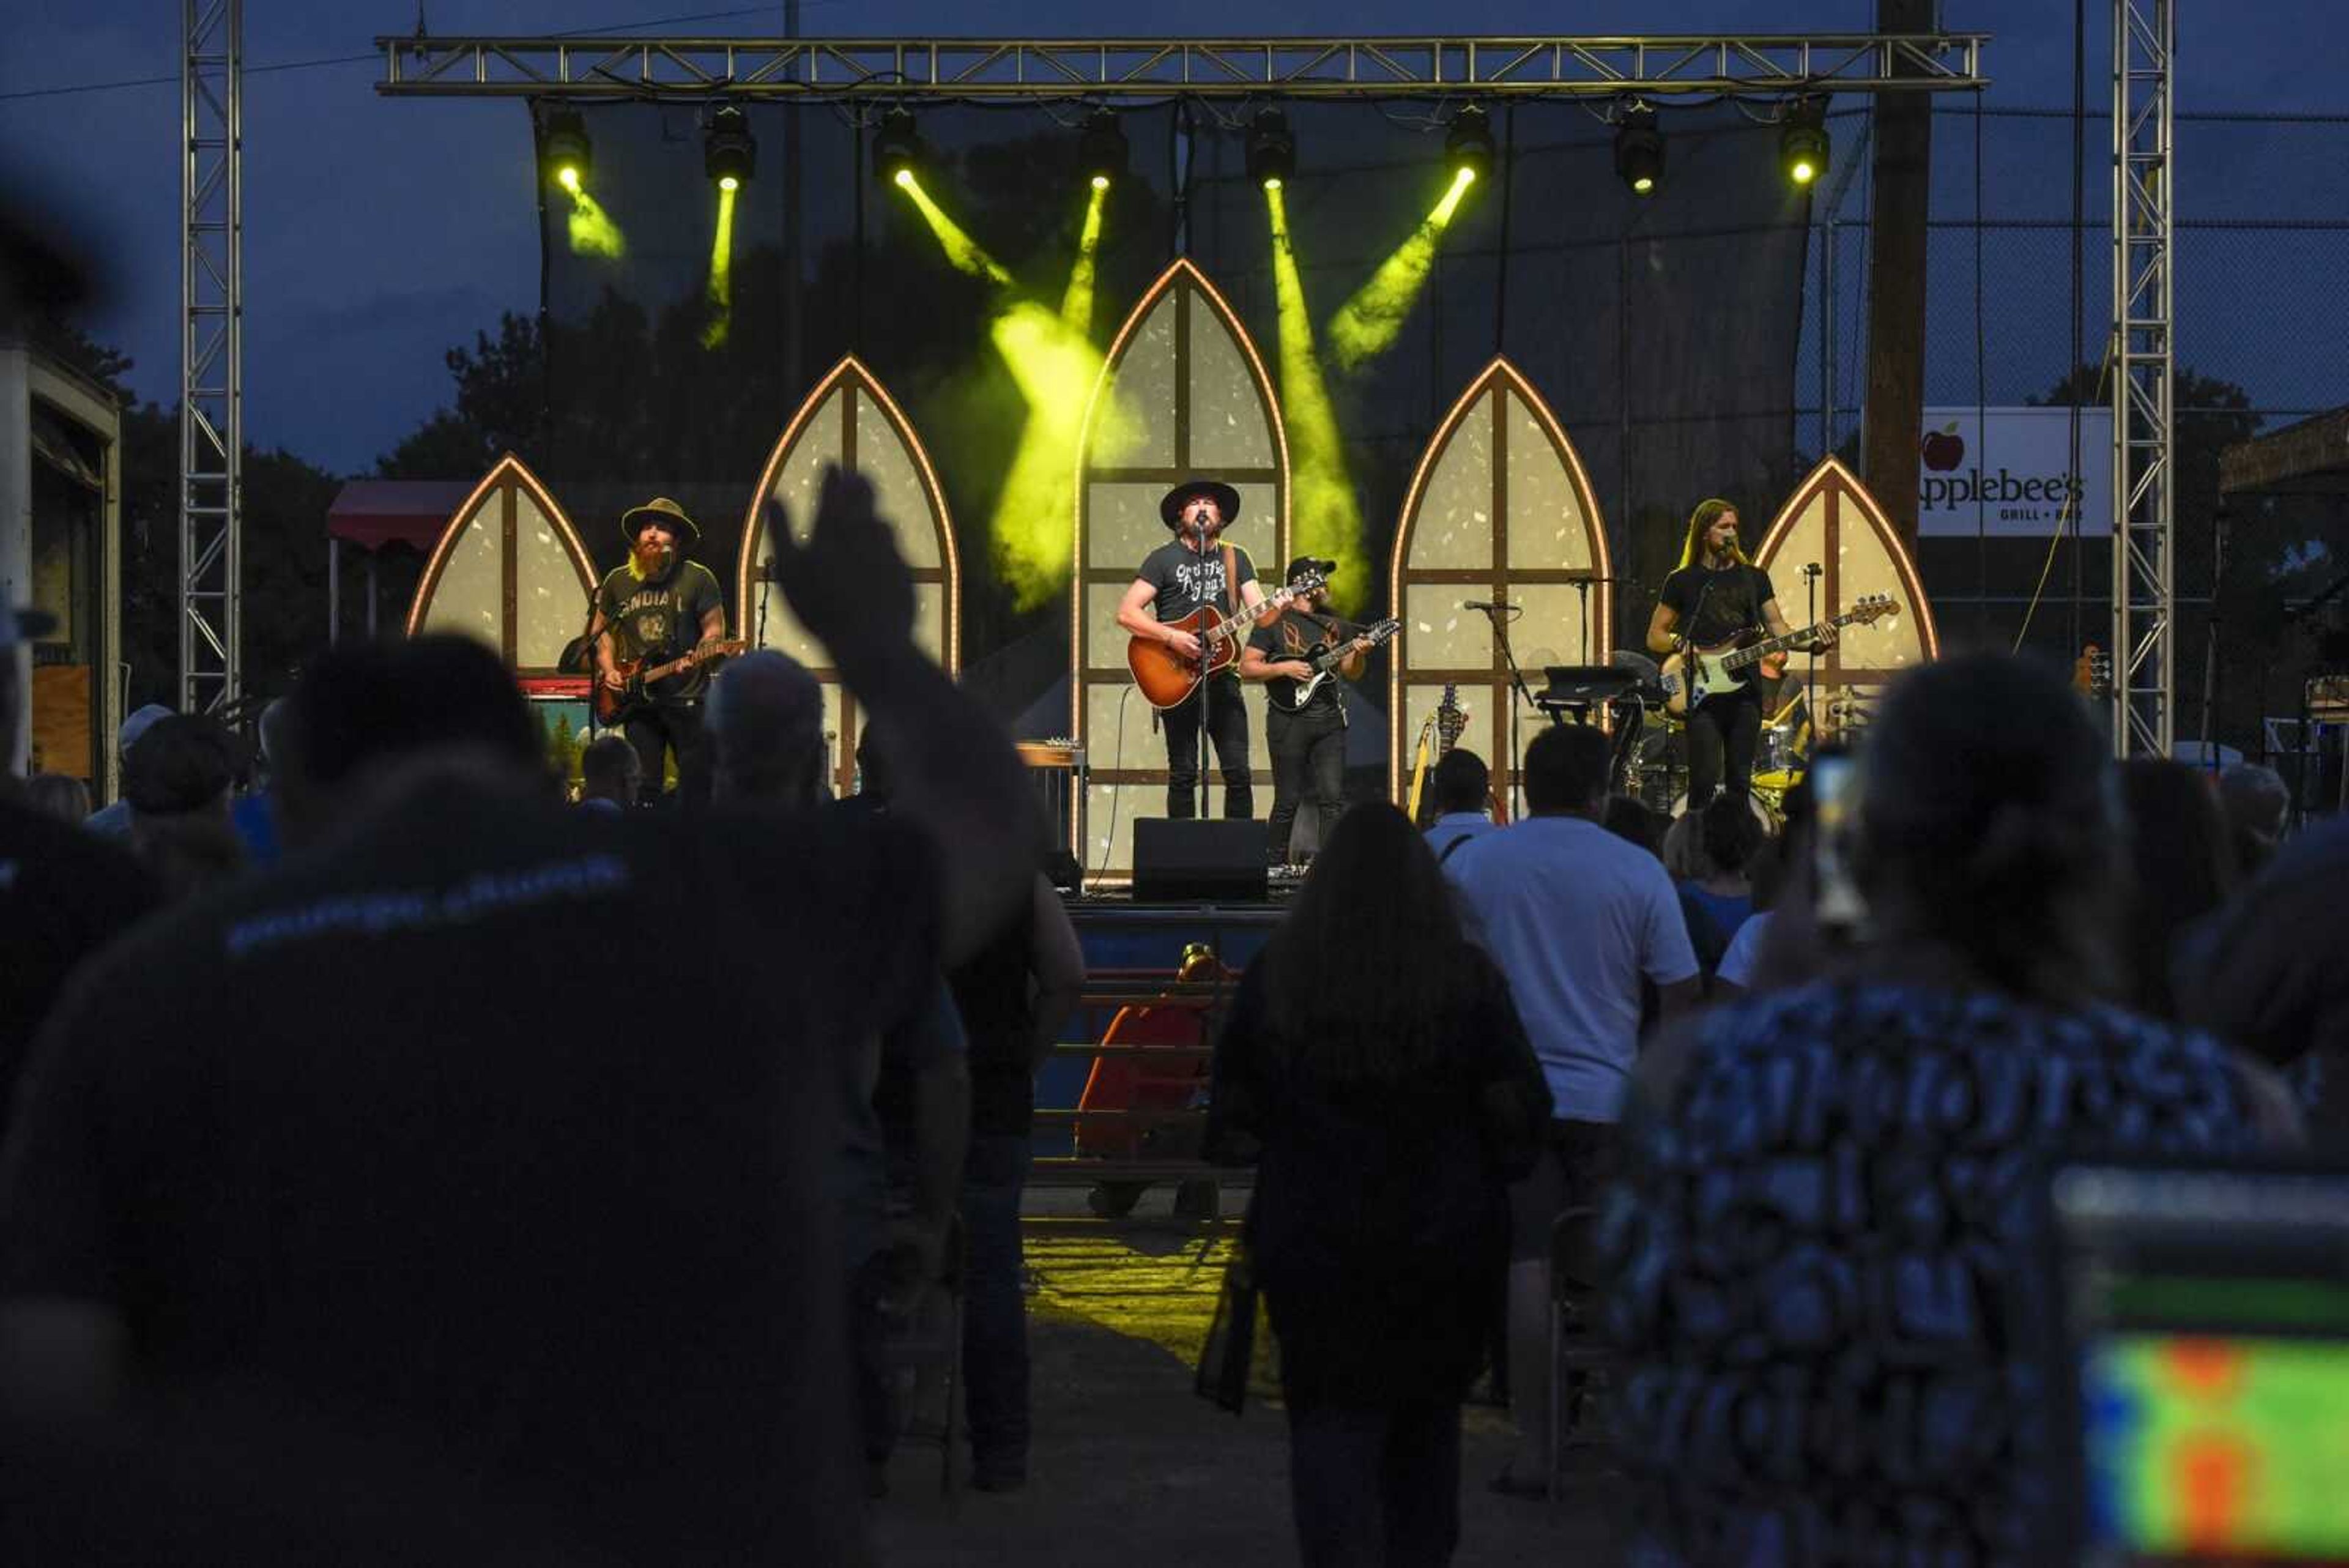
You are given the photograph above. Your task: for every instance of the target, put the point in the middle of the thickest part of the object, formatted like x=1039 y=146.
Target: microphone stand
x=1499 y=615
x=1811 y=669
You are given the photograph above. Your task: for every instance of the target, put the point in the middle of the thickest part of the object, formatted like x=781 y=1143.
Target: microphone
x=1814 y=570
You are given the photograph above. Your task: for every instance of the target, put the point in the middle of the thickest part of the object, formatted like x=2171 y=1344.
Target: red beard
x=652 y=560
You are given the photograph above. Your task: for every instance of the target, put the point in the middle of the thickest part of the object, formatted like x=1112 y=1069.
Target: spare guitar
x=1325 y=658
x=614 y=707
x=1443 y=729
x=1168 y=680
x=1694 y=674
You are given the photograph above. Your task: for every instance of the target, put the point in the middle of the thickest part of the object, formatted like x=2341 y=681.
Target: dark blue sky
x=379 y=232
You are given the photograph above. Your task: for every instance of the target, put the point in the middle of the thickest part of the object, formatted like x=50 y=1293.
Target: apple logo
x=1944 y=449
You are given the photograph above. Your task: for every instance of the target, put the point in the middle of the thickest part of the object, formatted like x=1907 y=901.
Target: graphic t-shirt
x=1292 y=637
x=1186 y=579
x=1714 y=607
x=661 y=620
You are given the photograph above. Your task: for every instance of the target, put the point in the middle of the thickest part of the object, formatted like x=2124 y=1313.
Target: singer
x=1195 y=568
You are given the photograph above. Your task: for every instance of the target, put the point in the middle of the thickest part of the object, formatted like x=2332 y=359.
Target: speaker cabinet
x=1175 y=859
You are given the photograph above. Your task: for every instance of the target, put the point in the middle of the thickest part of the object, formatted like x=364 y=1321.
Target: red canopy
x=372 y=512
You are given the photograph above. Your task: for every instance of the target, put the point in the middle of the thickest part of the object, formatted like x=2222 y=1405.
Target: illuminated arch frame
x=1504 y=378
x=852 y=377
x=1838 y=485
x=1190 y=283
x=506 y=477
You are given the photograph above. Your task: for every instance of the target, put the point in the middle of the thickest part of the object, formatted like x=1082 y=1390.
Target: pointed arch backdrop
x=1183 y=393
x=510 y=571
x=850 y=419
x=1832 y=520
x=1500 y=509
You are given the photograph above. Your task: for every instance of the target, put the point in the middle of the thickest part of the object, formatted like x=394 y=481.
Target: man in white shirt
x=1574 y=918
x=1464 y=790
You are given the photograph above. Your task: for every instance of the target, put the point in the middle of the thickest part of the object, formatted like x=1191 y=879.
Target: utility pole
x=1899 y=207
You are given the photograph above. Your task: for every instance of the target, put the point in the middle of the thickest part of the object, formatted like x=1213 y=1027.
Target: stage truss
x=2145 y=602
x=212 y=353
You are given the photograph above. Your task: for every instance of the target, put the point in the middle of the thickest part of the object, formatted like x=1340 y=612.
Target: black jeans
x=659 y=728
x=1729 y=724
x=1375 y=1485
x=1309 y=760
x=994 y=1311
x=1227 y=728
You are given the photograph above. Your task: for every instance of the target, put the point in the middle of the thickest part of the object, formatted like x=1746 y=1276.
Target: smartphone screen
x=1835 y=807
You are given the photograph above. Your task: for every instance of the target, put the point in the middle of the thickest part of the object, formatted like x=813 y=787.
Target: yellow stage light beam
x=961 y=250
x=592 y=233
x=721 y=270
x=1077 y=299
x=1367 y=324
x=1325 y=517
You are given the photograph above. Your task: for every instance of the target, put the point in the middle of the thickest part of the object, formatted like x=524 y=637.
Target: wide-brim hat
x=1227 y=500
x=662 y=510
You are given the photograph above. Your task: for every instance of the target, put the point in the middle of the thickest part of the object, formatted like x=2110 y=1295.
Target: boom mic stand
x=1500 y=616
x=1811 y=575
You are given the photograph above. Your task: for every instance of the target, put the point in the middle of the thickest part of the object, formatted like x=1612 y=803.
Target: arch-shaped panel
x=850 y=420
x=1500 y=509
x=1183 y=392
x=510 y=570
x=1831 y=519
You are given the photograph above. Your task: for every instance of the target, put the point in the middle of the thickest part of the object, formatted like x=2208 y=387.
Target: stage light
x=1367 y=324
x=1468 y=146
x=565 y=154
x=1100 y=149
x=730 y=154
x=1803 y=139
x=1639 y=150
x=1325 y=517
x=1271 y=149
x=898 y=151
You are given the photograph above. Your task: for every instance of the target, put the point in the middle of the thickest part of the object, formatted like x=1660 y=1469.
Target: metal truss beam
x=2145 y=600
x=212 y=353
x=1160 y=68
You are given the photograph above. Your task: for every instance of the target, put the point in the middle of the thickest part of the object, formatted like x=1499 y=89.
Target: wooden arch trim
x=1840 y=487
x=1506 y=377
x=852 y=374
x=507 y=476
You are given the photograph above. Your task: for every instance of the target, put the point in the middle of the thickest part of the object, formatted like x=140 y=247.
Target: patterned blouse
x=1825 y=1254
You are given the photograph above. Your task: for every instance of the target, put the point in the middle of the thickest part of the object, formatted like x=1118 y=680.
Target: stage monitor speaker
x=1183 y=858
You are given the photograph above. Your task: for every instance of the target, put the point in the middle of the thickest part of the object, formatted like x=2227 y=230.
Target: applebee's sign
x=2008 y=472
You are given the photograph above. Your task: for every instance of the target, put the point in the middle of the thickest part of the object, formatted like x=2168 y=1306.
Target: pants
x=659 y=728
x=868 y=1340
x=1730 y=723
x=994 y=1310
x=1227 y=728
x=1309 y=761
x=1375 y=1485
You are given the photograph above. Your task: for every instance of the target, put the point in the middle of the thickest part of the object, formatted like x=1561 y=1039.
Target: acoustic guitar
x=1168 y=680
x=614 y=707
x=1695 y=673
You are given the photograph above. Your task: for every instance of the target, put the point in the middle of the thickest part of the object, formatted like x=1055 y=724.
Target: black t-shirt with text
x=1186 y=579
x=1293 y=636
x=661 y=620
x=1715 y=606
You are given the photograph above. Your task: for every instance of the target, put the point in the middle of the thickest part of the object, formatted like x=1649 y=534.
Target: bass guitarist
x=1307 y=744
x=1716 y=595
x=658 y=607
x=1196 y=568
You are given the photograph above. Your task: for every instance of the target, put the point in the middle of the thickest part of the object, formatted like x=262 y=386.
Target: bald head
x=766 y=729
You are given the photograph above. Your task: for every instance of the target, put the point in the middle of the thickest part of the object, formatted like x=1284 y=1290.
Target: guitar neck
x=1240 y=620
x=1754 y=653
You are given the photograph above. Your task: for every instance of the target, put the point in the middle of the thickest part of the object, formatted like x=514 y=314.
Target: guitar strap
x=1231 y=581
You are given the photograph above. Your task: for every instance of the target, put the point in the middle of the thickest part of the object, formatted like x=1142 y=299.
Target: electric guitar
x=1443 y=726
x=1696 y=673
x=1326 y=660
x=1168 y=680
x=614 y=707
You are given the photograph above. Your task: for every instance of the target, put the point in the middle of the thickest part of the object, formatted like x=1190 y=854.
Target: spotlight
x=729 y=152
x=1803 y=139
x=1469 y=145
x=1639 y=150
x=564 y=155
x=1271 y=149
x=898 y=151
x=1100 y=149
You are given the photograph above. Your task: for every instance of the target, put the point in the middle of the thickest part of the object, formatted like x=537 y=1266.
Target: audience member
x=2256 y=800
x=1828 y=1279
x=1374 y=1058
x=1743 y=963
x=60 y=795
x=2182 y=868
x=1463 y=786
x=253 y=810
x=611 y=774
x=1728 y=836
x=1634 y=821
x=310 y=1141
x=1575 y=918
x=177 y=781
x=113 y=820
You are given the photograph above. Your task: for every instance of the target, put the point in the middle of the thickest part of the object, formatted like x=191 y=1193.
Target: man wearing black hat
x=658 y=607
x=1309 y=743
x=1195 y=568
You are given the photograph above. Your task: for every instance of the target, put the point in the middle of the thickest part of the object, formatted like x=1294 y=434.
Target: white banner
x=2008 y=472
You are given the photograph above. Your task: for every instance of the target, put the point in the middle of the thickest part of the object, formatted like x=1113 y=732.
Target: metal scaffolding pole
x=211 y=352
x=2145 y=38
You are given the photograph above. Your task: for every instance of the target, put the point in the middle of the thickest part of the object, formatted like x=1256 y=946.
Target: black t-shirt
x=65 y=892
x=1293 y=636
x=1186 y=579
x=1715 y=606
x=661 y=620
x=507 y=1127
x=998 y=1017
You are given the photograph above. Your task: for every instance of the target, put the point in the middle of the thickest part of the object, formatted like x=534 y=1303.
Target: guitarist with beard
x=658 y=607
x=1717 y=595
x=1309 y=743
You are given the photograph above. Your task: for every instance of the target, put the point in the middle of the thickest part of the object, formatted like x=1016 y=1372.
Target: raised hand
x=847 y=584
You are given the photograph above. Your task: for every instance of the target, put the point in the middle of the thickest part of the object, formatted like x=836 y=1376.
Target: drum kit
x=1653 y=763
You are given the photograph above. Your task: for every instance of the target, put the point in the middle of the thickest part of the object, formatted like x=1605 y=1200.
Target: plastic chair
x=1581 y=1364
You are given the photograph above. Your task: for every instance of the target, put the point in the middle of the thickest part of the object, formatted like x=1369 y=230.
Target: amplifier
x=1057 y=766
x=2328 y=700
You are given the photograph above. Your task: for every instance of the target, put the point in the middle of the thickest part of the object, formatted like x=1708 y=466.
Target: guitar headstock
x=1309 y=581
x=1873 y=608
x=1451 y=718
x=1380 y=631
x=2091 y=674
